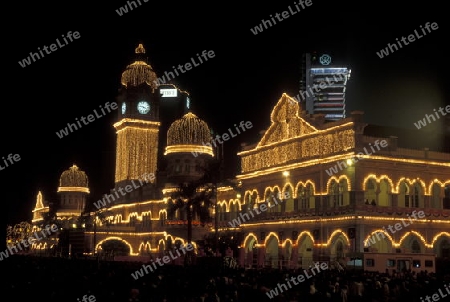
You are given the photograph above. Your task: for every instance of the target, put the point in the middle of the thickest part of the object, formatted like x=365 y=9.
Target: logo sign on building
x=169 y=93
x=325 y=59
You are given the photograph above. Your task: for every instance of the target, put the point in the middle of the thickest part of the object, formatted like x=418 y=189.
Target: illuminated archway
x=288 y=197
x=435 y=198
x=384 y=195
x=379 y=241
x=305 y=245
x=413 y=242
x=338 y=247
x=271 y=258
x=251 y=255
x=305 y=196
x=287 y=254
x=370 y=192
x=115 y=246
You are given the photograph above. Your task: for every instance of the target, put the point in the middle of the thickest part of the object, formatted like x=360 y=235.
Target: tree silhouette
x=193 y=198
x=196 y=197
x=89 y=218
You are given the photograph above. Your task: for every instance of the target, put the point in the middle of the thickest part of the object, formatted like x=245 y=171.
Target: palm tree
x=195 y=197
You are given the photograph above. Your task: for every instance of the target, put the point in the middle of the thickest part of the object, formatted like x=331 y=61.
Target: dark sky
x=242 y=82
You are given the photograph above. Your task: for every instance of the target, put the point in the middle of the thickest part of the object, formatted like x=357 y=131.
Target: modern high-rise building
x=323 y=86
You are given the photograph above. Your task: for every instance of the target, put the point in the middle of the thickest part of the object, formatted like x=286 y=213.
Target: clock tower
x=138 y=125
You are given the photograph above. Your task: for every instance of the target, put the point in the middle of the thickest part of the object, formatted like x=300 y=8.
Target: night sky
x=241 y=83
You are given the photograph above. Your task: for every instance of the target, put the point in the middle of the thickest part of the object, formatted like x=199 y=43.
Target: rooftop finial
x=140 y=49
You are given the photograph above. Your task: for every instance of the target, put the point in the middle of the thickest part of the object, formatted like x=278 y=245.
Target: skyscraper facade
x=323 y=86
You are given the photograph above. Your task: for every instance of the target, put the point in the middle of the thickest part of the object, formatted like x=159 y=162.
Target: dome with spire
x=189 y=134
x=73 y=179
x=139 y=71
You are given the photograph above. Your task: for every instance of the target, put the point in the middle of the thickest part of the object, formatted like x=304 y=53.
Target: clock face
x=143 y=107
x=124 y=108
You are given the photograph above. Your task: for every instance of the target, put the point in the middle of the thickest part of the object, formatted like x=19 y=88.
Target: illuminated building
x=138 y=126
x=323 y=86
x=326 y=216
x=323 y=215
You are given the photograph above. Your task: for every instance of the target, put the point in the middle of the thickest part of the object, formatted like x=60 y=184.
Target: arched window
x=415 y=247
x=303 y=198
x=177 y=168
x=415 y=197
x=339 y=251
x=406 y=191
x=446 y=201
x=445 y=249
x=187 y=166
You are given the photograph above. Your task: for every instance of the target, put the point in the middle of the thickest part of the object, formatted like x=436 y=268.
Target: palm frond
x=174 y=206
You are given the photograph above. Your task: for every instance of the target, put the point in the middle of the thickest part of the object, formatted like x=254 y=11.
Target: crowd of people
x=54 y=279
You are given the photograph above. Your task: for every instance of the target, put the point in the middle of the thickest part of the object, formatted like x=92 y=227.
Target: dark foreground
x=57 y=279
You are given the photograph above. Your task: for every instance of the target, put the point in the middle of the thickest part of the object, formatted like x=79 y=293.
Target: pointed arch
x=411 y=235
x=411 y=182
x=338 y=232
x=438 y=182
x=378 y=179
x=304 y=233
x=338 y=180
x=250 y=236
x=234 y=203
x=288 y=186
x=304 y=184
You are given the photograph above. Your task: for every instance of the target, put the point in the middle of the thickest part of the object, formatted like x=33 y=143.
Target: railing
x=179 y=222
x=339 y=211
x=402 y=211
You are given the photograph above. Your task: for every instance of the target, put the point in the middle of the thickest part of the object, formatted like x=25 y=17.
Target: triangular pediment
x=285 y=122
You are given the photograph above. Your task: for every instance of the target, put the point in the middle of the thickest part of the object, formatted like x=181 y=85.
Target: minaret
x=138 y=123
x=39 y=208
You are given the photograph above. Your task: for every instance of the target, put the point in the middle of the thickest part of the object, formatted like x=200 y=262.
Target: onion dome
x=74 y=180
x=189 y=134
x=139 y=71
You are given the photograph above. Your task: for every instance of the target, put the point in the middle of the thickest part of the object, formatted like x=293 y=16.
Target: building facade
x=345 y=192
x=309 y=190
